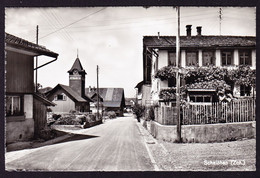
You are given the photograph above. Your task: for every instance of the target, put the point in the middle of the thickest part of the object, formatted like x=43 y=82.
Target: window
x=208 y=58
x=227 y=58
x=14 y=106
x=201 y=98
x=172 y=58
x=245 y=58
x=60 y=97
x=245 y=90
x=172 y=82
x=191 y=59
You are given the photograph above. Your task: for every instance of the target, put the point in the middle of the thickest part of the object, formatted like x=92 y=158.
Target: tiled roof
x=111 y=96
x=201 y=41
x=20 y=43
x=77 y=65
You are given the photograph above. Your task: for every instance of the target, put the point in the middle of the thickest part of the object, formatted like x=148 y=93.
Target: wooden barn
x=72 y=97
x=25 y=110
x=113 y=98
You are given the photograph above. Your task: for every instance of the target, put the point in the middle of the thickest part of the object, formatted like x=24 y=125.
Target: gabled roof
x=95 y=95
x=77 y=65
x=69 y=91
x=43 y=100
x=112 y=97
x=19 y=43
x=200 y=41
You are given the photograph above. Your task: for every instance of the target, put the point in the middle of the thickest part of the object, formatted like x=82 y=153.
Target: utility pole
x=97 y=95
x=220 y=18
x=36 y=72
x=178 y=76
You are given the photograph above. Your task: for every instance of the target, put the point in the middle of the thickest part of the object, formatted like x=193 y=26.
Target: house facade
x=23 y=107
x=72 y=97
x=221 y=51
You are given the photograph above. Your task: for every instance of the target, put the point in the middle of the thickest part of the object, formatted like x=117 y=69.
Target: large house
x=198 y=50
x=72 y=97
x=25 y=109
x=112 y=99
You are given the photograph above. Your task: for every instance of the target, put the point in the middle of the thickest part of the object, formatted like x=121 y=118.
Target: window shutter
x=55 y=97
x=64 y=97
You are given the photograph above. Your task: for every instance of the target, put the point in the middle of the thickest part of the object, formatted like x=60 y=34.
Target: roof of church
x=77 y=65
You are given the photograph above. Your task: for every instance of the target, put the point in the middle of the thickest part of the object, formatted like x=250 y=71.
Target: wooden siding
x=39 y=115
x=19 y=75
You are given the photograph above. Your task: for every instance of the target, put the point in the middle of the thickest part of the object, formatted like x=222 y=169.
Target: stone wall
x=204 y=133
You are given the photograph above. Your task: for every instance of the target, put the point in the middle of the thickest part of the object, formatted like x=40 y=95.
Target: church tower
x=77 y=78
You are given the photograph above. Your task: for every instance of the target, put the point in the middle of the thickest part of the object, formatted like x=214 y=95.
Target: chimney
x=89 y=89
x=188 y=29
x=158 y=35
x=199 y=31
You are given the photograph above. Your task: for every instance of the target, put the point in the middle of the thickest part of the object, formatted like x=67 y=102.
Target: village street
x=122 y=144
x=115 y=145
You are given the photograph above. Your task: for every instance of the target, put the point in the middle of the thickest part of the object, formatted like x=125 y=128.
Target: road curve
x=116 y=145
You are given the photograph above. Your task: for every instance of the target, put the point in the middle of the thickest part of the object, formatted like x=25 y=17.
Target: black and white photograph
x=130 y=88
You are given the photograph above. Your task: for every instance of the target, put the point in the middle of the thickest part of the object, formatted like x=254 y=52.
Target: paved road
x=116 y=145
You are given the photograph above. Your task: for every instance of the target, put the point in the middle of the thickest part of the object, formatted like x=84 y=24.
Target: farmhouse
x=223 y=52
x=113 y=98
x=72 y=97
x=25 y=109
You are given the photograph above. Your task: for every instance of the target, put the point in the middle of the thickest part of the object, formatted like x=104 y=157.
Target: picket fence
x=235 y=111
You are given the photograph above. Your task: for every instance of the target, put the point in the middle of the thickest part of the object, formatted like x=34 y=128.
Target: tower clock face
x=75 y=72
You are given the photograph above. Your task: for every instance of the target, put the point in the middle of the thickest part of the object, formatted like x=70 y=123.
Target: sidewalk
x=224 y=156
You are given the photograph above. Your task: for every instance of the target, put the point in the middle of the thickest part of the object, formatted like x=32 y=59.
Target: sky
x=111 y=37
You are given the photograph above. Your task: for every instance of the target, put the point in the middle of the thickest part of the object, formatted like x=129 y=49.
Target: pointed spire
x=77 y=65
x=77 y=53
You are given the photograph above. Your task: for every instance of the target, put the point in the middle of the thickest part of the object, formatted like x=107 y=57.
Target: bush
x=91 y=118
x=47 y=134
x=151 y=114
x=111 y=114
x=68 y=120
x=73 y=112
x=138 y=111
x=56 y=116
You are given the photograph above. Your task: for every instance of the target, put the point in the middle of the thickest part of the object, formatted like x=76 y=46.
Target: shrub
x=56 y=116
x=91 y=118
x=68 y=120
x=47 y=134
x=73 y=112
x=111 y=114
x=138 y=111
x=151 y=113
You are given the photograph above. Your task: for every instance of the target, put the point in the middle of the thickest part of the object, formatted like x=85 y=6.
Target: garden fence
x=236 y=111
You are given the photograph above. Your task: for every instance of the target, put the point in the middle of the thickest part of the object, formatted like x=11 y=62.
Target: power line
x=72 y=23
